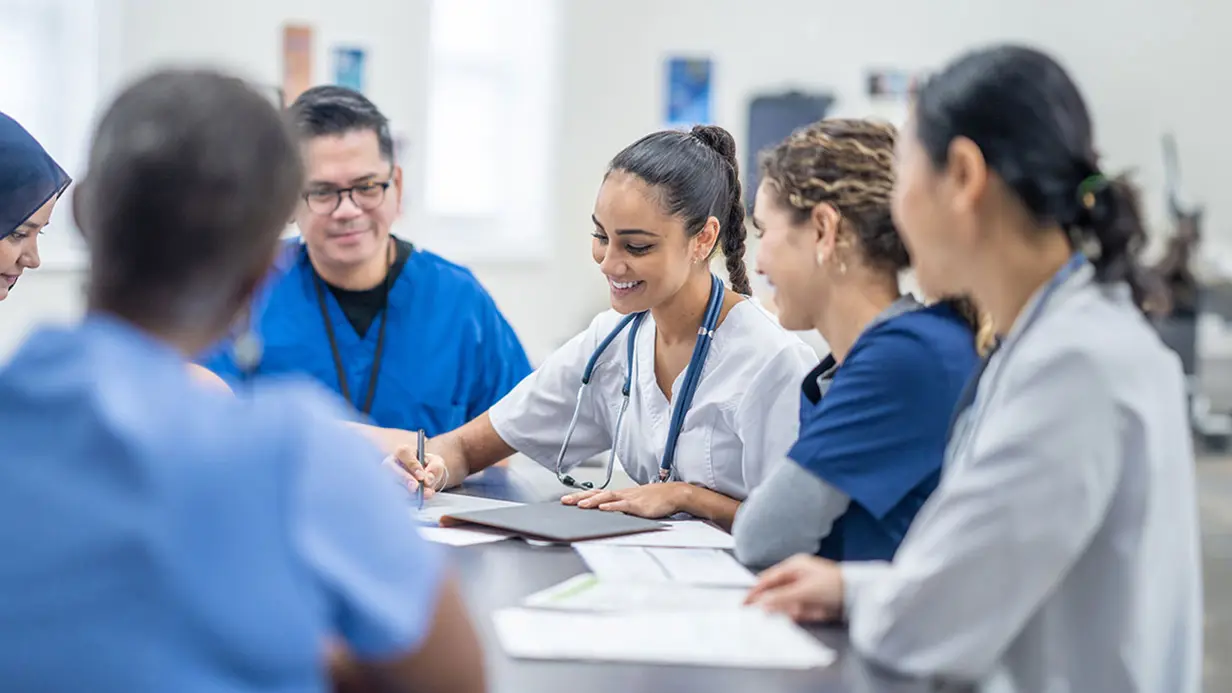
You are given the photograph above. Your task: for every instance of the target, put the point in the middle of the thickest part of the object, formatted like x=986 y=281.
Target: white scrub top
x=744 y=415
x=1060 y=553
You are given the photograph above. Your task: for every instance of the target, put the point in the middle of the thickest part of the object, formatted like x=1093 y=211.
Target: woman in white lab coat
x=667 y=203
x=1060 y=551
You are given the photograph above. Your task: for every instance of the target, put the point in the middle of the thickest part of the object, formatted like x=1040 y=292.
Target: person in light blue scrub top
x=158 y=534
x=411 y=340
x=874 y=414
x=30 y=184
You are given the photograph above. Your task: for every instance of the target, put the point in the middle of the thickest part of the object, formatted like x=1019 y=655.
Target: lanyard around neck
x=967 y=399
x=339 y=367
x=693 y=374
x=705 y=334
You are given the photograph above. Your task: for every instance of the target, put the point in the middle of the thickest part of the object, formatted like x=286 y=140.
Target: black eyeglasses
x=366 y=196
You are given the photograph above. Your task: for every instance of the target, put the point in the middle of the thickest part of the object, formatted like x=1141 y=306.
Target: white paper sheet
x=587 y=592
x=622 y=563
x=448 y=503
x=654 y=564
x=680 y=533
x=746 y=638
x=457 y=536
x=702 y=567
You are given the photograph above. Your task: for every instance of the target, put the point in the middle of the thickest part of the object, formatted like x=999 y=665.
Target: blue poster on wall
x=689 y=92
x=349 y=68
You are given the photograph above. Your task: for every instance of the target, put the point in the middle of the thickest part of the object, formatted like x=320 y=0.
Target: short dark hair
x=192 y=177
x=698 y=177
x=1020 y=107
x=333 y=110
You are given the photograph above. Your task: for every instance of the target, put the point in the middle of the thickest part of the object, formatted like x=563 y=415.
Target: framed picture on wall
x=689 y=92
x=892 y=85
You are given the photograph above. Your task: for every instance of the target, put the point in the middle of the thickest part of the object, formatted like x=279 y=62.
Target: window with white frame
x=49 y=82
x=487 y=141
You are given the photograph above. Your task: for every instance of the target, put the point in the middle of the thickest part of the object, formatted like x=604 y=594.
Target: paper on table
x=701 y=566
x=621 y=563
x=448 y=503
x=587 y=592
x=455 y=536
x=680 y=533
x=662 y=564
x=747 y=638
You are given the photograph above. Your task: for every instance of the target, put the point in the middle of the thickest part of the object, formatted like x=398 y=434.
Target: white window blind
x=488 y=138
x=49 y=82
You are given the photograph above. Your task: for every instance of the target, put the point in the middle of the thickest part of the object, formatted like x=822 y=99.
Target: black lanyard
x=333 y=341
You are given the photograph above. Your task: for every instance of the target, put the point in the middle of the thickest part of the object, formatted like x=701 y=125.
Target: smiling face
x=357 y=231
x=19 y=250
x=788 y=257
x=935 y=223
x=646 y=254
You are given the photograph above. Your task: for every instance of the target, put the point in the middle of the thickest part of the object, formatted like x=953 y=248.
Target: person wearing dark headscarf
x=30 y=184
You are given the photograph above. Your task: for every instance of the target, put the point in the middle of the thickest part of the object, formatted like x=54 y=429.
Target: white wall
x=1147 y=66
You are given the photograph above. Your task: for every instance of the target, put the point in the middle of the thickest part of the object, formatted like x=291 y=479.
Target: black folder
x=555 y=521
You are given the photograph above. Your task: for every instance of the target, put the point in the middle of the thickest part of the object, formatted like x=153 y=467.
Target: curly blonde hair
x=848 y=163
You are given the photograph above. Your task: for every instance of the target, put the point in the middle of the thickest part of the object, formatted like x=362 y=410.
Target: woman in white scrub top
x=1060 y=551
x=667 y=204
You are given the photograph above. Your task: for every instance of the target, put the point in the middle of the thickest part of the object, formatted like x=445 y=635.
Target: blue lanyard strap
x=693 y=376
x=688 y=388
x=1076 y=262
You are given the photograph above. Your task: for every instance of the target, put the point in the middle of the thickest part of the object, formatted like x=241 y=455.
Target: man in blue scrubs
x=408 y=338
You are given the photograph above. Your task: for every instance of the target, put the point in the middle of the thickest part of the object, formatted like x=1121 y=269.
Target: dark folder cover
x=555 y=521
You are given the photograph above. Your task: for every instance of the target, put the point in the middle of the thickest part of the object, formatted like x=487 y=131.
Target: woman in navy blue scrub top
x=162 y=536
x=874 y=413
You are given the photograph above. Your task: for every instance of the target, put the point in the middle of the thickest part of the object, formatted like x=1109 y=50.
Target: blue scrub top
x=449 y=354
x=158 y=535
x=879 y=432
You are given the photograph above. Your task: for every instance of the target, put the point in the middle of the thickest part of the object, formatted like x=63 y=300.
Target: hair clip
x=1089 y=187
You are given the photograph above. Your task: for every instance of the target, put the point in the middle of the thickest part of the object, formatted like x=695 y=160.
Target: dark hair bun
x=718 y=139
x=1027 y=116
x=697 y=183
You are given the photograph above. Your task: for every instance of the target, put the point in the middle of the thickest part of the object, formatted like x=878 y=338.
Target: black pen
x=422 y=465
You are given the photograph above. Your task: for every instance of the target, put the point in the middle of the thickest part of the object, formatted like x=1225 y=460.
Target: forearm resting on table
x=472 y=448
x=710 y=505
x=387 y=439
x=789 y=512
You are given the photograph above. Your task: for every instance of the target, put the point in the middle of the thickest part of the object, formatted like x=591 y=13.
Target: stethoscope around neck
x=693 y=376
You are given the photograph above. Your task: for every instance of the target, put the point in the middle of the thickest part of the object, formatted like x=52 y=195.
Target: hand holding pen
x=427 y=477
